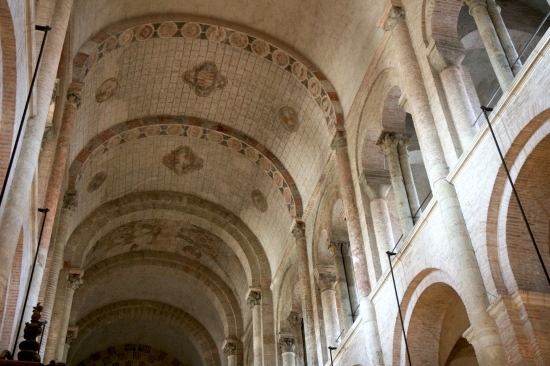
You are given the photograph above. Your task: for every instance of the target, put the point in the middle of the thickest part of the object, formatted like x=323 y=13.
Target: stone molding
x=287 y=343
x=473 y=3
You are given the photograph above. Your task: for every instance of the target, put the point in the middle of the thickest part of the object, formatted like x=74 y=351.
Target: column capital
x=339 y=140
x=70 y=201
x=390 y=140
x=74 y=94
x=337 y=247
x=326 y=277
x=74 y=280
x=293 y=319
x=230 y=348
x=254 y=298
x=299 y=230
x=377 y=190
x=395 y=17
x=287 y=343
x=72 y=334
x=445 y=53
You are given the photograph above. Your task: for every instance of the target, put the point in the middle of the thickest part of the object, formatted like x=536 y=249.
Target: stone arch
x=132 y=354
x=516 y=154
x=324 y=225
x=160 y=312
x=517 y=255
x=254 y=261
x=440 y=20
x=296 y=64
x=425 y=306
x=8 y=88
x=192 y=127
x=226 y=302
x=370 y=121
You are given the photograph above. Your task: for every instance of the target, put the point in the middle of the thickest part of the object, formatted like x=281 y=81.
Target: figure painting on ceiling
x=182 y=160
x=204 y=79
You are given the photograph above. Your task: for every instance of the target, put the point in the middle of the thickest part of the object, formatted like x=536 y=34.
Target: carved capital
x=339 y=140
x=74 y=281
x=70 y=201
x=395 y=17
x=72 y=333
x=337 y=247
x=388 y=141
x=326 y=277
x=299 y=230
x=293 y=319
x=230 y=348
x=74 y=97
x=48 y=133
x=377 y=190
x=254 y=298
x=287 y=343
x=444 y=53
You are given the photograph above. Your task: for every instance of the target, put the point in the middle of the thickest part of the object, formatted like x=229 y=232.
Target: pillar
x=336 y=249
x=287 y=346
x=373 y=348
x=230 y=351
x=295 y=322
x=72 y=333
x=326 y=280
x=446 y=57
x=499 y=61
x=74 y=281
x=504 y=36
x=255 y=302
x=381 y=220
x=51 y=201
x=403 y=143
x=388 y=143
x=299 y=233
x=15 y=206
x=458 y=248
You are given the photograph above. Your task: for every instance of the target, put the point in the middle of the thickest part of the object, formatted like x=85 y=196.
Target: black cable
x=44 y=29
x=347 y=283
x=485 y=110
x=399 y=306
x=45 y=212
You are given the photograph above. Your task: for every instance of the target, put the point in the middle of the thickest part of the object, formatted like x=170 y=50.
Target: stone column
x=74 y=281
x=373 y=349
x=458 y=248
x=16 y=203
x=299 y=232
x=404 y=161
x=336 y=250
x=388 y=143
x=51 y=201
x=326 y=279
x=230 y=351
x=446 y=57
x=478 y=10
x=72 y=333
x=287 y=346
x=381 y=220
x=504 y=36
x=255 y=302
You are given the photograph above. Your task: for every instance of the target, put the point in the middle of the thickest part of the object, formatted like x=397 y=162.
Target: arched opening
x=436 y=327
